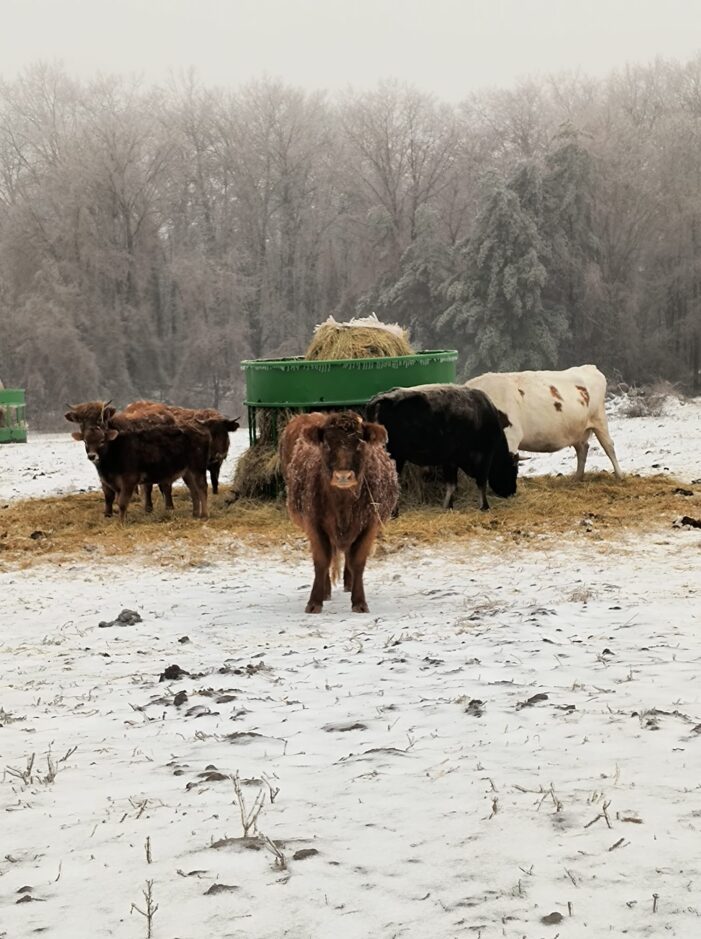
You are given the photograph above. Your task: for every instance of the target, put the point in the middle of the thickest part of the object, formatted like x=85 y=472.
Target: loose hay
x=257 y=474
x=545 y=507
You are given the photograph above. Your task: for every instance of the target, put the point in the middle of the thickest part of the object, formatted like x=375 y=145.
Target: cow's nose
x=343 y=479
x=92 y=457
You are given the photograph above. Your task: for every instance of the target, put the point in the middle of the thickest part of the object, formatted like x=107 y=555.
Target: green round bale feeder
x=277 y=388
x=301 y=384
x=13 y=424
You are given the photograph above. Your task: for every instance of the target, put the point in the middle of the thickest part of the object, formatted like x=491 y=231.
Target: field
x=509 y=745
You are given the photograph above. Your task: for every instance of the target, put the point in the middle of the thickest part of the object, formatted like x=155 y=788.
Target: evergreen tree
x=496 y=309
x=574 y=289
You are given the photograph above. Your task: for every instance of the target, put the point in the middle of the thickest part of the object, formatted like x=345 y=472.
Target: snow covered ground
x=505 y=737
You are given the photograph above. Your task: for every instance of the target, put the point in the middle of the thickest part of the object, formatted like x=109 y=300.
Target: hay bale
x=257 y=474
x=365 y=338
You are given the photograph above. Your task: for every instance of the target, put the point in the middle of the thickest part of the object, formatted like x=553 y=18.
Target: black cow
x=449 y=426
x=153 y=455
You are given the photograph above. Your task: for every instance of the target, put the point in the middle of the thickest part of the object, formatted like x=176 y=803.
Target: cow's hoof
x=484 y=508
x=148 y=509
x=108 y=515
x=313 y=607
x=360 y=607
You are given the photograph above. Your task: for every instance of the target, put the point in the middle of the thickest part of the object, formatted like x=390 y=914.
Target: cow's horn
x=523 y=459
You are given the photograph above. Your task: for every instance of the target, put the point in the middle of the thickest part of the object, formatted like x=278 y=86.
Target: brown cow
x=141 y=414
x=217 y=424
x=341 y=487
x=149 y=454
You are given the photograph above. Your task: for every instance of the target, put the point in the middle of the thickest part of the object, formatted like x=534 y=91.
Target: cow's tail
x=335 y=571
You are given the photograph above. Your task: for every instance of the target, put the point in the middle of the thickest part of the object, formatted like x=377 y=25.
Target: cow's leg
x=148 y=497
x=357 y=558
x=128 y=484
x=347 y=578
x=602 y=432
x=167 y=493
x=109 y=494
x=481 y=474
x=189 y=481
x=450 y=475
x=214 y=469
x=201 y=482
x=196 y=482
x=581 y=449
x=395 y=511
x=322 y=556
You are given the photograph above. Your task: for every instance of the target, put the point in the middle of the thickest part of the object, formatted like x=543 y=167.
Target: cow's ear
x=77 y=435
x=313 y=434
x=375 y=434
x=503 y=419
x=108 y=412
x=71 y=416
x=232 y=425
x=111 y=434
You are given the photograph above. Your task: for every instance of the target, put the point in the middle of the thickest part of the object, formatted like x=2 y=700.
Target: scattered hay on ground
x=545 y=507
x=344 y=341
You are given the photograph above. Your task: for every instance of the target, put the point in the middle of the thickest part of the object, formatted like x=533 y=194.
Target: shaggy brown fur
x=341 y=486
x=291 y=434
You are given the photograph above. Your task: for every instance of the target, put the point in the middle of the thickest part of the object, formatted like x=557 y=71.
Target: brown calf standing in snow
x=341 y=486
x=217 y=424
x=154 y=455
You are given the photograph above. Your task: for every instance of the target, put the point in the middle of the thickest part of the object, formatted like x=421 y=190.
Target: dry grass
x=257 y=474
x=73 y=526
x=338 y=341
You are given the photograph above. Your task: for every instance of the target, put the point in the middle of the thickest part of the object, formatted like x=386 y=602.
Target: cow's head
x=344 y=439
x=97 y=440
x=503 y=472
x=219 y=429
x=91 y=412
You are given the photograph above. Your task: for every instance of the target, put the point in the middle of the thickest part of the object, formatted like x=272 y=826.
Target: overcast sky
x=448 y=47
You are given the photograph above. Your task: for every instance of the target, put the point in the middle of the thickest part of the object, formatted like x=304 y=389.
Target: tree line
x=152 y=237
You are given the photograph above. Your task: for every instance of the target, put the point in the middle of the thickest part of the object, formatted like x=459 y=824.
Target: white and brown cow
x=552 y=410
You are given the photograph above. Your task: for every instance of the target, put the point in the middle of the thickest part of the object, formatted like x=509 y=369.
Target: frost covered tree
x=573 y=291
x=496 y=309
